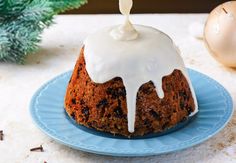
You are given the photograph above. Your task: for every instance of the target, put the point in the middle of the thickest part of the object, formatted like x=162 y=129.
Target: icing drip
x=125 y=32
x=151 y=56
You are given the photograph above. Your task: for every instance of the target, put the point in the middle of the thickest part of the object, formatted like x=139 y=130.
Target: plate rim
x=142 y=153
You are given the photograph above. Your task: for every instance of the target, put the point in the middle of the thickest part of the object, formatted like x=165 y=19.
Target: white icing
x=149 y=57
x=136 y=57
x=126 y=31
x=125 y=6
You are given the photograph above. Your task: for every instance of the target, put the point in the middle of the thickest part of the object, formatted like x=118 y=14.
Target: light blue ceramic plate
x=215 y=110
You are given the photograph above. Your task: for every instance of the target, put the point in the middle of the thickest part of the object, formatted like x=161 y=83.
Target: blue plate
x=215 y=110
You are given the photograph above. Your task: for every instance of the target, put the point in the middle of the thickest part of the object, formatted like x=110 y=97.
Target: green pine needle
x=22 y=23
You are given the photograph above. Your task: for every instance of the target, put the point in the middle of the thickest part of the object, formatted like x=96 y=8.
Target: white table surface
x=59 y=51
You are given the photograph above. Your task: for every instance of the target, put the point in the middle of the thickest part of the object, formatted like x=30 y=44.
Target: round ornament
x=220 y=33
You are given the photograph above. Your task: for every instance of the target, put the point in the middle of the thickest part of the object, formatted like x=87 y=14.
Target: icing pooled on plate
x=148 y=57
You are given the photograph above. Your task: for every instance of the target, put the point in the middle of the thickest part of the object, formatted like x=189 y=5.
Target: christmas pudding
x=130 y=80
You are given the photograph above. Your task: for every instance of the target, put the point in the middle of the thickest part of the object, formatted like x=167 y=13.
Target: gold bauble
x=220 y=33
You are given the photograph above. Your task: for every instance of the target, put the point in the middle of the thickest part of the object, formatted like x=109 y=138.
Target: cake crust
x=103 y=106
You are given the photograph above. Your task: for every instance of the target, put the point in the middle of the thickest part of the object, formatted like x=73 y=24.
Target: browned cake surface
x=103 y=106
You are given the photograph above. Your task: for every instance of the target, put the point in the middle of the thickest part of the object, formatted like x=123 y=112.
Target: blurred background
x=150 y=6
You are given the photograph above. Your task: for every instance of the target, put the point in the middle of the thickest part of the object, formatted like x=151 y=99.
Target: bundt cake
x=131 y=81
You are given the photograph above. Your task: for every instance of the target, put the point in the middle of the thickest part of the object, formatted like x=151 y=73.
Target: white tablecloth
x=59 y=51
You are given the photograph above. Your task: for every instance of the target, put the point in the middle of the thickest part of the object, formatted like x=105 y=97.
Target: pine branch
x=63 y=5
x=23 y=21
